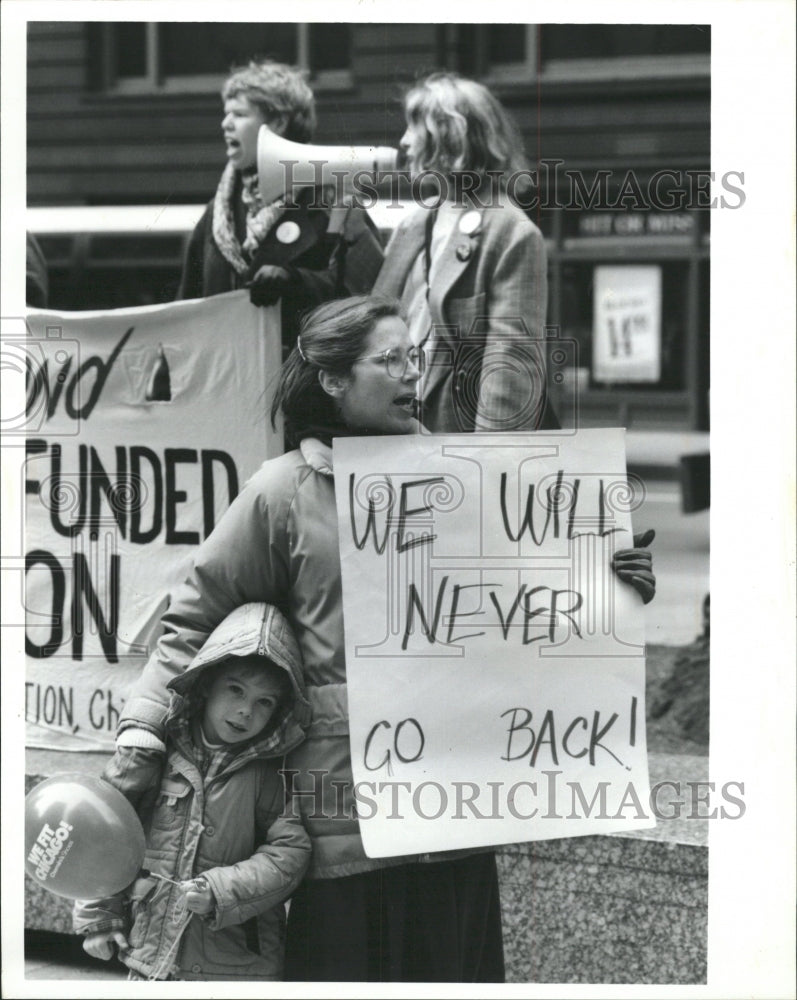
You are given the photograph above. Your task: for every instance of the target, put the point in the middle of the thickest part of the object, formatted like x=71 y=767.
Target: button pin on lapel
x=470 y=222
x=288 y=232
x=463 y=251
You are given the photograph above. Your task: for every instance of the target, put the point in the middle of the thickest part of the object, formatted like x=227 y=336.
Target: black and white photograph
x=382 y=417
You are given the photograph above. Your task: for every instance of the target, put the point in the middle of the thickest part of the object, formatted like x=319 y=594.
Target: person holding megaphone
x=285 y=246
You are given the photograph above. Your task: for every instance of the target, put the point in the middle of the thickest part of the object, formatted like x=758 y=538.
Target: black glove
x=268 y=285
x=635 y=566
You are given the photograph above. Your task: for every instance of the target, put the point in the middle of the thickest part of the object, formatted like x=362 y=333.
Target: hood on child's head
x=256 y=629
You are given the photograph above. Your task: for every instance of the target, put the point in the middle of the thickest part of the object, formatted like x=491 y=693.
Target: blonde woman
x=470 y=272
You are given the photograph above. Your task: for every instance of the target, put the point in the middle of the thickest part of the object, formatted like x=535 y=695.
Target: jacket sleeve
x=272 y=874
x=93 y=916
x=514 y=356
x=192 y=280
x=363 y=252
x=244 y=559
x=134 y=771
x=394 y=240
x=353 y=263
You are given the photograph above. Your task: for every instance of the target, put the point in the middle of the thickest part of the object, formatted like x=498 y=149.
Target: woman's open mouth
x=407 y=401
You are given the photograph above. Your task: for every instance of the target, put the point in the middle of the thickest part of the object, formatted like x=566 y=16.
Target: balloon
x=83 y=839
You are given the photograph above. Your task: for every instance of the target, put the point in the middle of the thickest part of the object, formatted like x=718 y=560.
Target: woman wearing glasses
x=354 y=371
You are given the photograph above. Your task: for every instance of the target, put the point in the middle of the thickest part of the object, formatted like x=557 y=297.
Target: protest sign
x=495 y=663
x=142 y=425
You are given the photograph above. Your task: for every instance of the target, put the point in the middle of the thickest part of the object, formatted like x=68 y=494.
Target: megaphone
x=283 y=165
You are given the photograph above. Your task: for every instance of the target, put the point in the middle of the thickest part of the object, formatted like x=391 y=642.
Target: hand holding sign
x=83 y=839
x=635 y=566
x=268 y=285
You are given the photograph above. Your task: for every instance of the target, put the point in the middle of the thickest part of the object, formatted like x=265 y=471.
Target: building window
x=511 y=51
x=525 y=52
x=180 y=57
x=494 y=52
x=620 y=51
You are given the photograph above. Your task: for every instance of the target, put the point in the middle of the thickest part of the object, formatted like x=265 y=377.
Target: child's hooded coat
x=230 y=826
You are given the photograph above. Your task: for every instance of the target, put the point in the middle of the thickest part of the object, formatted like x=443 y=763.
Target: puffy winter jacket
x=278 y=542
x=230 y=826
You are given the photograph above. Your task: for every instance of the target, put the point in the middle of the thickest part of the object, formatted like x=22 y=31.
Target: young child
x=223 y=851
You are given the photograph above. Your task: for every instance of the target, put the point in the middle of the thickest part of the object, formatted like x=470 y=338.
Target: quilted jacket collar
x=317 y=455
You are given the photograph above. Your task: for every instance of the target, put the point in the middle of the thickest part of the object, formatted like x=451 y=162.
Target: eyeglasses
x=397 y=361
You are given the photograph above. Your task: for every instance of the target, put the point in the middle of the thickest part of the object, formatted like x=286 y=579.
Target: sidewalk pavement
x=59 y=956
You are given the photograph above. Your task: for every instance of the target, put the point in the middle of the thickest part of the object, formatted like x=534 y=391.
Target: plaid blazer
x=488 y=303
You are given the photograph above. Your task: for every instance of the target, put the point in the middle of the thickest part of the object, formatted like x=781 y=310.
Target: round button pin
x=463 y=251
x=288 y=232
x=470 y=222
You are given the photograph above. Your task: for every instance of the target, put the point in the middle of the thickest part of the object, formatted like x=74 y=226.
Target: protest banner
x=495 y=663
x=142 y=425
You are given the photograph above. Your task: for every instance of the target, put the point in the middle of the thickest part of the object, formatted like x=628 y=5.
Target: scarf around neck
x=259 y=218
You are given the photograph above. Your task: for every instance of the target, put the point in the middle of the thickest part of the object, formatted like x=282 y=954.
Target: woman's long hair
x=466 y=128
x=331 y=339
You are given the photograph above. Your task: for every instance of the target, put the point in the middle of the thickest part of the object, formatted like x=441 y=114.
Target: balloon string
x=146 y=873
x=183 y=920
x=163 y=966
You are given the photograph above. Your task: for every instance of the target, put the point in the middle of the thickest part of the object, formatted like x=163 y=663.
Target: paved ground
x=59 y=957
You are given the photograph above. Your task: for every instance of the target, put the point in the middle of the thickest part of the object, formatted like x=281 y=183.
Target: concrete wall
x=604 y=910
